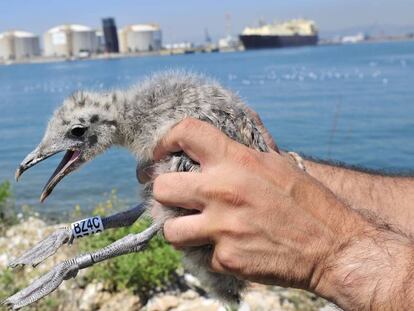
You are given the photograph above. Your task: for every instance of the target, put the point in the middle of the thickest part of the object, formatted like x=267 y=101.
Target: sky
x=186 y=20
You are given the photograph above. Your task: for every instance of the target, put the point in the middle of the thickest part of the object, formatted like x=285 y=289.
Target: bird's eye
x=78 y=131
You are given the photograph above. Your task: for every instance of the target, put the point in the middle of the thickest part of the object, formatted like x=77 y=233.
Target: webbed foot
x=44 y=248
x=43 y=285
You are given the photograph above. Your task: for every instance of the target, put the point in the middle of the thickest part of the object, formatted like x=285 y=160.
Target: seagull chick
x=88 y=123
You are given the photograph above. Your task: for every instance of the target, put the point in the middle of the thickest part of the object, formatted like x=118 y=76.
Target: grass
x=7 y=214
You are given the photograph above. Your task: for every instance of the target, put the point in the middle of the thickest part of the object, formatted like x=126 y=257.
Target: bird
x=137 y=118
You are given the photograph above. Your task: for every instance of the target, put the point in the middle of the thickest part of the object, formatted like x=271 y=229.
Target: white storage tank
x=70 y=40
x=17 y=45
x=140 y=38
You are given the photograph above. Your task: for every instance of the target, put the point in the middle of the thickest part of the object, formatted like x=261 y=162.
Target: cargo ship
x=296 y=32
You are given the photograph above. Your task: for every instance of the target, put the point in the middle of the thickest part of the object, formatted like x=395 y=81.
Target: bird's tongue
x=69 y=158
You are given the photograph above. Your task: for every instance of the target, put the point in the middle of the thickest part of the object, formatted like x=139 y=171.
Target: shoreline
x=110 y=56
x=174 y=52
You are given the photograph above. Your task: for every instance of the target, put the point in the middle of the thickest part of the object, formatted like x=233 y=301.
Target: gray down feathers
x=140 y=116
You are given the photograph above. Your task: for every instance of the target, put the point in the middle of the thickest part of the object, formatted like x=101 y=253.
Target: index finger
x=201 y=141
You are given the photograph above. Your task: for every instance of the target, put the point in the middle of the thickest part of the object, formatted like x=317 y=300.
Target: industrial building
x=101 y=41
x=17 y=45
x=140 y=38
x=111 y=35
x=70 y=41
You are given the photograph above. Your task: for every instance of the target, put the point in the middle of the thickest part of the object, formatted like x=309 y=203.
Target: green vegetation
x=4 y=191
x=142 y=272
x=7 y=214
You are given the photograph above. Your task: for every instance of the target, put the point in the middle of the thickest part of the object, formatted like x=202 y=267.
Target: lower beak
x=68 y=164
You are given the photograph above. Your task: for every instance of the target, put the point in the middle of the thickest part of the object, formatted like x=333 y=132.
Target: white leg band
x=87 y=226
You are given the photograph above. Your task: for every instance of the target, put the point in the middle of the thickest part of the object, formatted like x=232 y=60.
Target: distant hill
x=371 y=30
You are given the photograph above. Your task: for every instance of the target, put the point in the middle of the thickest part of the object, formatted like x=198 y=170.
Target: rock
x=330 y=307
x=122 y=301
x=186 y=301
x=256 y=300
x=189 y=295
x=162 y=303
x=266 y=298
x=200 y=304
x=191 y=280
x=4 y=260
x=91 y=297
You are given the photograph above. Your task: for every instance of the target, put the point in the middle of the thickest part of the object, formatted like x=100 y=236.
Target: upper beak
x=32 y=159
x=68 y=164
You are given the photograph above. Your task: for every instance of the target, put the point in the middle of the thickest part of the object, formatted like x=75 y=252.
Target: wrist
x=322 y=172
x=370 y=271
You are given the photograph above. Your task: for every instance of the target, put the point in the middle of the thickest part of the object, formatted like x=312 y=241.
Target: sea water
x=349 y=103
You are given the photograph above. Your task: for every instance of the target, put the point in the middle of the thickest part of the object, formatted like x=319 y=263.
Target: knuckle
x=225 y=260
x=207 y=191
x=204 y=190
x=232 y=196
x=189 y=124
x=229 y=194
x=215 y=265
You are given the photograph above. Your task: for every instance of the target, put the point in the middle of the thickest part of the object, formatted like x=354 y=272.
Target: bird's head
x=84 y=126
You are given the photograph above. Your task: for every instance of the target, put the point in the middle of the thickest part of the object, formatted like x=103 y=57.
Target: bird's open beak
x=67 y=165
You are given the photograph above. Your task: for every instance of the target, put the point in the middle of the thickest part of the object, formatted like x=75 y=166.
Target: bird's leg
x=48 y=246
x=123 y=219
x=70 y=268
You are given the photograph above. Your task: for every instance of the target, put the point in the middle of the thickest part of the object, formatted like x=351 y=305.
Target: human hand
x=267 y=220
x=270 y=222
